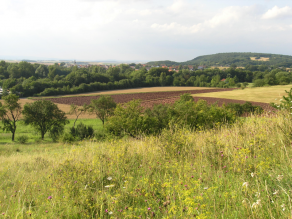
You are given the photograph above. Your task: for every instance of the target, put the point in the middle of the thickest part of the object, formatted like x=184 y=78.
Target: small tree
x=44 y=116
x=10 y=112
x=103 y=107
x=77 y=111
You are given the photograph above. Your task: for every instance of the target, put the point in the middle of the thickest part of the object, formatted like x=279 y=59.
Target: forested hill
x=239 y=59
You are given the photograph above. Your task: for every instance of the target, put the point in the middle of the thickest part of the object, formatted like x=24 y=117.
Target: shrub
x=82 y=131
x=67 y=138
x=247 y=107
x=22 y=139
x=238 y=85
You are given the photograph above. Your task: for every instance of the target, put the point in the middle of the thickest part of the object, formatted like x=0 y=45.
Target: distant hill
x=237 y=58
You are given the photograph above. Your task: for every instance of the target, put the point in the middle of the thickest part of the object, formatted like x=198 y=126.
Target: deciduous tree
x=10 y=112
x=103 y=107
x=44 y=116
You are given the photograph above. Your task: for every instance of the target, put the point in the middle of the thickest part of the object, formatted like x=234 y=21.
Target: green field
x=23 y=130
x=258 y=94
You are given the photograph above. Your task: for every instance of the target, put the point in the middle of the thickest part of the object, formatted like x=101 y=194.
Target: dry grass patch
x=264 y=59
x=259 y=94
x=135 y=90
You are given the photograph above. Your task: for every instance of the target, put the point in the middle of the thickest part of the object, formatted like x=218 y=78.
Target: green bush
x=67 y=138
x=247 y=107
x=82 y=131
x=22 y=139
x=238 y=85
x=130 y=119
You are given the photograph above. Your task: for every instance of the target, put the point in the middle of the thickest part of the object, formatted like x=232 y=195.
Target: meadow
x=258 y=94
x=238 y=171
x=34 y=137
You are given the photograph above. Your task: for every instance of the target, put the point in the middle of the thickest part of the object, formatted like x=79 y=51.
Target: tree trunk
x=43 y=135
x=13 y=133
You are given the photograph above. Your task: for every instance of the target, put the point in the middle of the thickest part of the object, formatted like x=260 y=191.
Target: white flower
x=280 y=177
x=110 y=212
x=258 y=194
x=206 y=188
x=256 y=204
x=276 y=192
x=109 y=186
x=283 y=207
x=124 y=187
x=109 y=178
x=252 y=174
x=245 y=184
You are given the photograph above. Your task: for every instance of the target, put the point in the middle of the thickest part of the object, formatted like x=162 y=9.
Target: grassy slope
x=260 y=94
x=22 y=130
x=176 y=175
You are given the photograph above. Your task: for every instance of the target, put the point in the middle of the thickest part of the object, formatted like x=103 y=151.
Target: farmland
x=259 y=94
x=150 y=99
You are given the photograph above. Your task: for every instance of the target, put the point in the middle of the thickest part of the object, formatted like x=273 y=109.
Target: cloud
x=277 y=12
x=227 y=17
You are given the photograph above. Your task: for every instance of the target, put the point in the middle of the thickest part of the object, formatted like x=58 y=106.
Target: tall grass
x=242 y=171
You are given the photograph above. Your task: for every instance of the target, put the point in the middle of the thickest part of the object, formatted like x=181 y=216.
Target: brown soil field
x=124 y=98
x=210 y=100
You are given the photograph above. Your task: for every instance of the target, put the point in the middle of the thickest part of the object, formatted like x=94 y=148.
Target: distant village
x=138 y=66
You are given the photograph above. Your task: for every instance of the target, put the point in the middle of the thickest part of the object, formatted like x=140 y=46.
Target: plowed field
x=124 y=98
x=150 y=99
x=210 y=100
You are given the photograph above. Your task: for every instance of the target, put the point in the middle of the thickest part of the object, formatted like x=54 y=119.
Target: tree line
x=25 y=79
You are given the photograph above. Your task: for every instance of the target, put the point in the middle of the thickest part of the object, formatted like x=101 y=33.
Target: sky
x=148 y=30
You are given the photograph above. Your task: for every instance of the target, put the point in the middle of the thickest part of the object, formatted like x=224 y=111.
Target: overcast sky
x=177 y=30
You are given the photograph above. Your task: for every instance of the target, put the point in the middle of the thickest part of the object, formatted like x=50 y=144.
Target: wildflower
x=50 y=197
x=222 y=155
x=256 y=204
x=109 y=178
x=126 y=208
x=280 y=177
x=109 y=186
x=276 y=192
x=46 y=211
x=283 y=207
x=245 y=184
x=110 y=212
x=149 y=209
x=252 y=174
x=206 y=188
x=257 y=194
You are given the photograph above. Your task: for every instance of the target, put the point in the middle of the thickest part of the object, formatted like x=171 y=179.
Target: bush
x=67 y=138
x=238 y=85
x=82 y=131
x=259 y=83
x=22 y=139
x=247 y=107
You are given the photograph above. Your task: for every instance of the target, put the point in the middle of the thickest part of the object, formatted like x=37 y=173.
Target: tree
x=52 y=72
x=103 y=107
x=77 y=111
x=10 y=112
x=162 y=79
x=44 y=116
